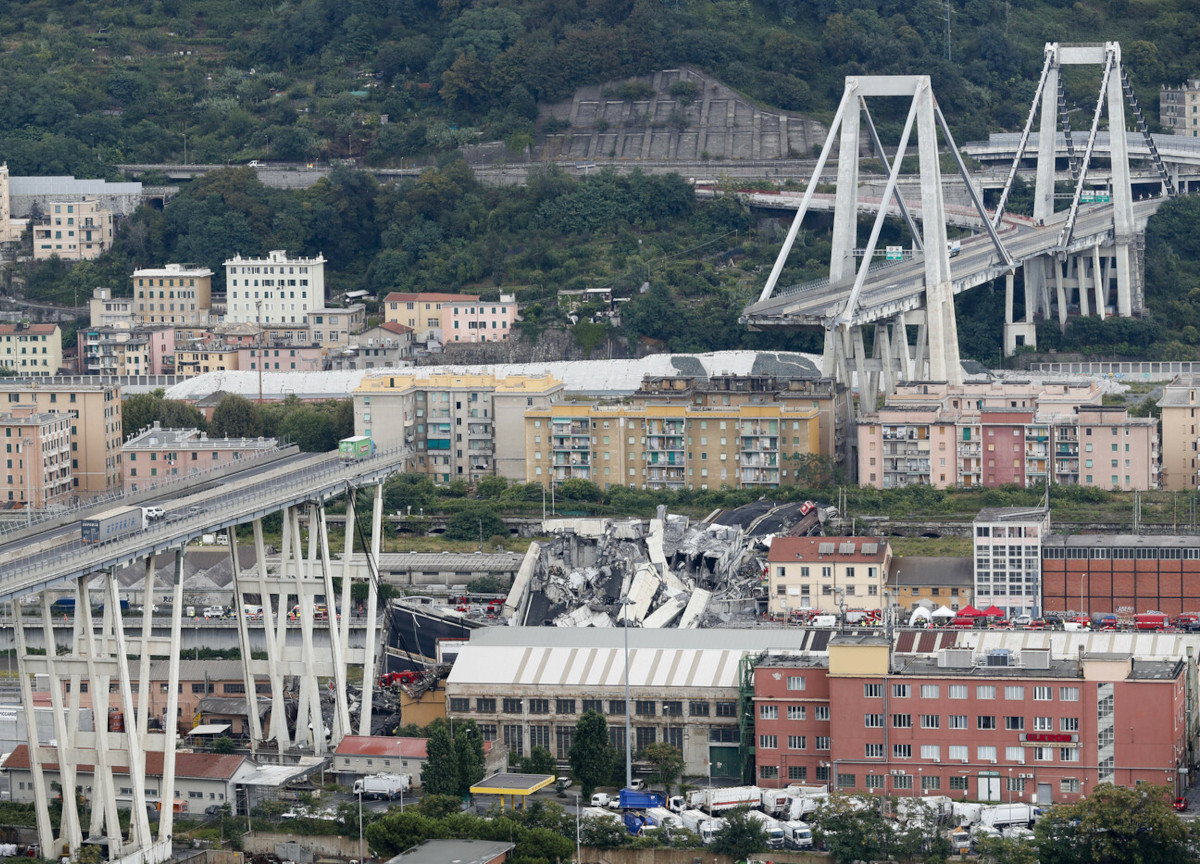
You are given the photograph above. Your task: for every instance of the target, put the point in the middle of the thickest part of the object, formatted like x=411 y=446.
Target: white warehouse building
x=528 y=686
x=273 y=290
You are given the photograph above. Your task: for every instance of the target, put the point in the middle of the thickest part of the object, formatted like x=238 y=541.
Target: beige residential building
x=31 y=350
x=423 y=313
x=95 y=410
x=665 y=446
x=113 y=351
x=175 y=294
x=105 y=310
x=459 y=427
x=1179 y=108
x=996 y=433
x=827 y=574
x=37 y=454
x=1180 y=404
x=73 y=231
x=193 y=360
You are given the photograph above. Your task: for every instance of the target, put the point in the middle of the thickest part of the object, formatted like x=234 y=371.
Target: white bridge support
x=122 y=735
x=1104 y=277
x=115 y=671
x=893 y=355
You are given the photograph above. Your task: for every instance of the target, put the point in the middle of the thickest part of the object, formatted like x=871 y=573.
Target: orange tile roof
x=429 y=297
x=206 y=766
x=839 y=549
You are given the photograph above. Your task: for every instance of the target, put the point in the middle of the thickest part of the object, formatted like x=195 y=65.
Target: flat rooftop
x=453 y=852
x=511 y=783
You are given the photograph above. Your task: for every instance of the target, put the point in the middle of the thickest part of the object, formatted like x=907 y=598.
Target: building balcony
x=578 y=428
x=760 y=460
x=574 y=459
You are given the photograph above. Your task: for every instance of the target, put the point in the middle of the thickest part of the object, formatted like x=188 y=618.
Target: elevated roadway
x=897 y=287
x=34 y=564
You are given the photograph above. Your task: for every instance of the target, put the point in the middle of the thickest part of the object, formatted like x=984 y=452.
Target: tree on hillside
x=591 y=754
x=1113 y=825
x=235 y=417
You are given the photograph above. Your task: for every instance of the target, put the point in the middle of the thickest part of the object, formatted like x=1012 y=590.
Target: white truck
x=382 y=786
x=775 y=801
x=770 y=826
x=664 y=818
x=797 y=834
x=1007 y=815
x=803 y=805
x=602 y=799
x=699 y=823
x=719 y=798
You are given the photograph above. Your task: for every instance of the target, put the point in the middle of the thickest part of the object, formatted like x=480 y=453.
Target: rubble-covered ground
x=676 y=573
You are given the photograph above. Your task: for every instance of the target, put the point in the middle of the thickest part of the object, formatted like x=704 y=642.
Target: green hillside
x=92 y=83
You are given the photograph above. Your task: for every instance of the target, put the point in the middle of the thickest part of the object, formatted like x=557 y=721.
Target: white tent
x=943 y=612
x=919 y=614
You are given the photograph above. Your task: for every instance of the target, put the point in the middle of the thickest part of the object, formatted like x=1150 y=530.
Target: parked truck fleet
x=786 y=814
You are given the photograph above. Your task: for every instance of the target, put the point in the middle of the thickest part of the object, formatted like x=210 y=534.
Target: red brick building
x=1121 y=574
x=1001 y=727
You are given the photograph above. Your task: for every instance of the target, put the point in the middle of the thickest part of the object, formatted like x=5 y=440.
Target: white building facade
x=274 y=290
x=1008 y=559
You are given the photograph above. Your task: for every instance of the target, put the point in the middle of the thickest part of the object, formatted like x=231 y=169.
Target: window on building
x=672 y=708
x=795 y=682
x=873 y=721
x=512 y=706
x=538 y=706
x=872 y=691
x=958 y=783
x=931 y=751
x=985 y=691
x=958 y=691
x=902 y=781
x=768 y=712
x=821 y=712
x=985 y=753
x=873 y=751
x=1014 y=723
x=698 y=709
x=901 y=751
x=930 y=691
x=1068 y=694
x=930 y=721
x=644 y=707
x=1015 y=693
x=901 y=721
x=726 y=709
x=846 y=781
x=596 y=705
x=564 y=706
x=1043 y=694
x=797 y=742
x=768 y=742
x=1043 y=724
x=485 y=705
x=901 y=691
x=616 y=706
x=958 y=721
x=797 y=772
x=768 y=772
x=1069 y=724
x=822 y=742
x=459 y=704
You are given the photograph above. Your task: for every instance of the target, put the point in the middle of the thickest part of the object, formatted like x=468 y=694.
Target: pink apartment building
x=475 y=320
x=156 y=456
x=988 y=434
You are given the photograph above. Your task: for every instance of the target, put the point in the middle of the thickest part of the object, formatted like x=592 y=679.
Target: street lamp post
x=26 y=444
x=578 y=848
x=360 y=827
x=625 y=602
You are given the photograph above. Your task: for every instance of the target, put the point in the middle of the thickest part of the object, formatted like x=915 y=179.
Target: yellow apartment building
x=423 y=313
x=174 y=294
x=31 y=350
x=668 y=446
x=459 y=427
x=73 y=231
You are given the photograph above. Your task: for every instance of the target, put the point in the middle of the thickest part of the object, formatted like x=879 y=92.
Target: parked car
x=1181 y=804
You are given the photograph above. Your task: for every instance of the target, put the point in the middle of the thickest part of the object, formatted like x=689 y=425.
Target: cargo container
x=358 y=447
x=635 y=799
x=112 y=524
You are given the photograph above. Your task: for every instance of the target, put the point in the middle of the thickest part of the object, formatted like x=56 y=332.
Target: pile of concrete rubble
x=671 y=573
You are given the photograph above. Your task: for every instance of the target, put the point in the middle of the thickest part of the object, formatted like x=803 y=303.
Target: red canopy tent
x=992 y=612
x=970 y=612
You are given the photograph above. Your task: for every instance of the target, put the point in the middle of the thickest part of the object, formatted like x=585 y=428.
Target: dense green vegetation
x=91 y=83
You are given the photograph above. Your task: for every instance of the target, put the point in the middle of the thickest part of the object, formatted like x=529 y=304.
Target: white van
x=214 y=612
x=824 y=621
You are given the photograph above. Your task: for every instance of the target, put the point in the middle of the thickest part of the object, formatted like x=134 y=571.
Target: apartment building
x=389 y=344
x=73 y=231
x=423 y=313
x=459 y=427
x=215 y=356
x=273 y=290
x=31 y=350
x=475 y=320
x=1179 y=403
x=1008 y=559
x=37 y=454
x=95 y=411
x=281 y=358
x=114 y=351
x=989 y=434
x=827 y=574
x=916 y=580
x=177 y=294
x=666 y=446
x=993 y=726
x=729 y=391
x=156 y=455
x=1179 y=108
x=105 y=310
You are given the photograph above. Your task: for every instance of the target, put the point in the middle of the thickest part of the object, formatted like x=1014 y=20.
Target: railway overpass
x=106 y=656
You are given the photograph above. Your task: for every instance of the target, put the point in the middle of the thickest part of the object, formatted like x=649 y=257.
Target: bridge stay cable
x=1068 y=230
x=1016 y=163
x=794 y=229
x=975 y=199
x=1140 y=121
x=882 y=154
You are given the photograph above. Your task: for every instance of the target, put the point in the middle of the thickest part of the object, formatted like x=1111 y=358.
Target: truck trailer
x=112 y=524
x=719 y=798
x=382 y=786
x=358 y=447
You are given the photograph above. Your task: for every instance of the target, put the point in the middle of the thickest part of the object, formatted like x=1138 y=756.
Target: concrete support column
x=1099 y=283
x=1122 y=192
x=369 y=639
